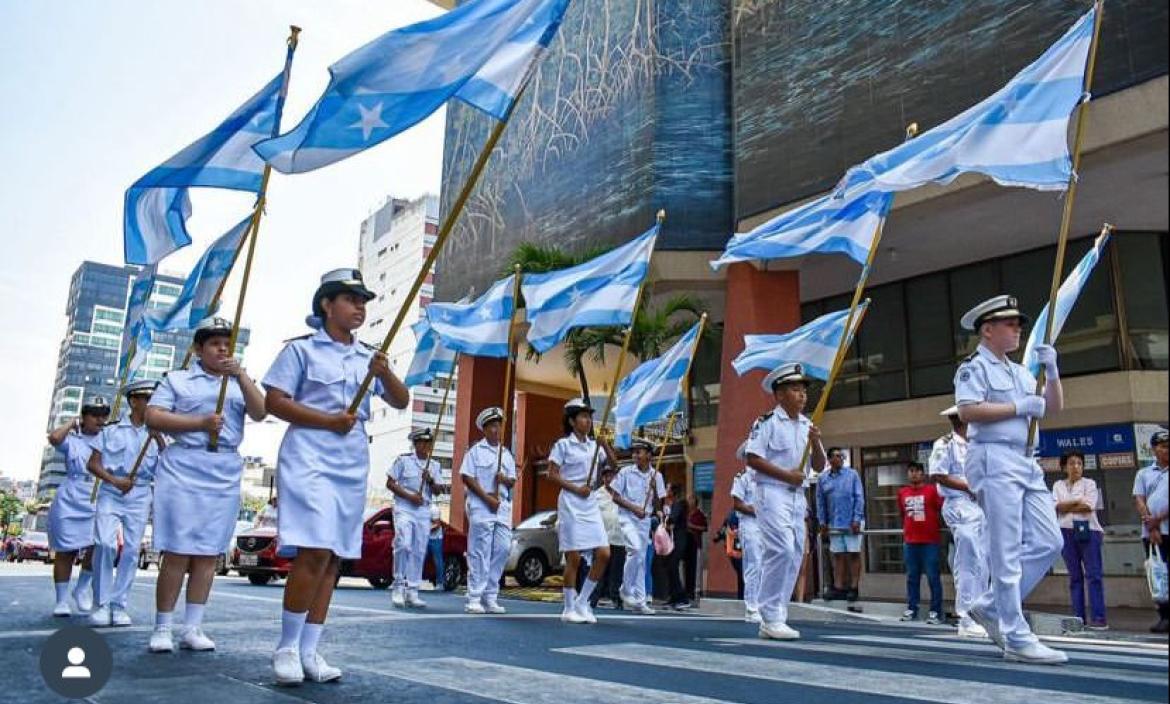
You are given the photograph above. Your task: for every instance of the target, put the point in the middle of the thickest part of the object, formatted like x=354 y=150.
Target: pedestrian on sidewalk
x=676 y=525
x=921 y=506
x=1151 y=495
x=1076 y=506
x=697 y=527
x=841 y=512
x=435 y=548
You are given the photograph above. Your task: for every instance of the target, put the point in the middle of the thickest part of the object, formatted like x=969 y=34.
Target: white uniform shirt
x=780 y=440
x=984 y=378
x=407 y=471
x=194 y=392
x=633 y=485
x=574 y=457
x=120 y=445
x=743 y=487
x=946 y=459
x=480 y=464
x=1153 y=483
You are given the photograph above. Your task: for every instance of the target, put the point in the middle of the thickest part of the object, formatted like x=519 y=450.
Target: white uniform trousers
x=130 y=512
x=969 y=559
x=636 y=536
x=780 y=514
x=488 y=545
x=752 y=544
x=1022 y=535
x=410 y=548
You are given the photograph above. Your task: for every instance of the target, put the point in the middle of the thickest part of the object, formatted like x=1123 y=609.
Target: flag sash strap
x=1070 y=199
x=509 y=373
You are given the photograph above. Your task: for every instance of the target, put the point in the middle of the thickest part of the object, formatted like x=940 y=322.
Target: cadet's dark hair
x=567 y=421
x=915 y=465
x=831 y=450
x=206 y=334
x=1068 y=455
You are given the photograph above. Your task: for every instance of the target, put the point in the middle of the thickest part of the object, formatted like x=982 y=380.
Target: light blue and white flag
x=478 y=328
x=136 y=335
x=1018 y=136
x=154 y=220
x=1066 y=298
x=654 y=390
x=431 y=358
x=482 y=53
x=826 y=225
x=601 y=291
x=194 y=301
x=813 y=344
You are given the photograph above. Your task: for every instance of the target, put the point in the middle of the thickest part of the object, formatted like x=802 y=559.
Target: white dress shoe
x=82 y=600
x=317 y=670
x=492 y=607
x=413 y=600
x=161 y=640
x=1036 y=653
x=989 y=625
x=100 y=618
x=644 y=609
x=195 y=639
x=474 y=607
x=753 y=616
x=778 y=631
x=286 y=663
x=62 y=609
x=969 y=629
x=584 y=613
x=119 y=617
x=398 y=599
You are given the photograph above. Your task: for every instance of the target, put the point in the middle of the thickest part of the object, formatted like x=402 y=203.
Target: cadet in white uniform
x=965 y=519
x=774 y=451
x=197 y=490
x=996 y=398
x=123 y=502
x=488 y=473
x=743 y=494
x=637 y=490
x=324 y=461
x=71 y=513
x=412 y=478
x=580 y=527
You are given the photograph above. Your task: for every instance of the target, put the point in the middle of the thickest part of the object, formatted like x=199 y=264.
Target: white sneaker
x=753 y=616
x=317 y=670
x=584 y=612
x=119 y=617
x=1036 y=653
x=286 y=663
x=161 y=640
x=778 y=631
x=398 y=599
x=62 y=609
x=989 y=625
x=474 y=607
x=195 y=639
x=908 y=615
x=493 y=607
x=932 y=619
x=82 y=600
x=969 y=629
x=413 y=600
x=644 y=609
x=100 y=618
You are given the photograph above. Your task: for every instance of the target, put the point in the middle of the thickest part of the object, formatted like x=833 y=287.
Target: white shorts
x=844 y=542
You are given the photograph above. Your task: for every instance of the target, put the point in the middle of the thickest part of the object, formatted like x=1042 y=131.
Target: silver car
x=535 y=552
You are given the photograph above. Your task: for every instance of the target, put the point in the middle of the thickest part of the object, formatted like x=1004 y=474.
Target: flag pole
x=117 y=405
x=1069 y=200
x=257 y=213
x=441 y=239
x=617 y=371
x=686 y=390
x=658 y=461
x=222 y=284
x=509 y=372
x=442 y=411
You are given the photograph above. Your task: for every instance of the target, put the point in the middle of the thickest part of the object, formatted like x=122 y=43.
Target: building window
x=1142 y=262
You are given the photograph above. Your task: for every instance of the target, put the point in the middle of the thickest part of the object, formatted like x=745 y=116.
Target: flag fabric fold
x=136 y=335
x=814 y=345
x=478 y=328
x=653 y=390
x=194 y=302
x=431 y=358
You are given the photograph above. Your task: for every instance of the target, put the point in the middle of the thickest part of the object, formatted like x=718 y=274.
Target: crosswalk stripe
x=992 y=662
x=1153 y=650
x=521 y=685
x=986 y=647
x=854 y=680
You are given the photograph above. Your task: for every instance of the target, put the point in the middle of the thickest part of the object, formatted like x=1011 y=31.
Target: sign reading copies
x=1104 y=447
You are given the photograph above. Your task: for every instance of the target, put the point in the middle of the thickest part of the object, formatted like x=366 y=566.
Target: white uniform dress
x=579 y=522
x=196 y=491
x=489 y=538
x=71 y=513
x=743 y=487
x=634 y=485
x=120 y=445
x=322 y=476
x=780 y=510
x=412 y=524
x=1023 y=536
x=965 y=519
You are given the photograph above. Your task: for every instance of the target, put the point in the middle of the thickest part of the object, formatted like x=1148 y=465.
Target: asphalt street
x=439 y=655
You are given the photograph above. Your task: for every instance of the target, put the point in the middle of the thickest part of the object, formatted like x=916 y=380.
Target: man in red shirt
x=921 y=506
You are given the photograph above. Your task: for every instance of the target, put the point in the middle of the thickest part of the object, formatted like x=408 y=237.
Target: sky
x=98 y=92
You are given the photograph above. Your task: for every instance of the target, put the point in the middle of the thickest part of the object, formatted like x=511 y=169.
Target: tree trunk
x=584 y=382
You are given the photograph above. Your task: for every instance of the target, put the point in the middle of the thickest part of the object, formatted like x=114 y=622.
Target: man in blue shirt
x=841 y=512
x=1151 y=495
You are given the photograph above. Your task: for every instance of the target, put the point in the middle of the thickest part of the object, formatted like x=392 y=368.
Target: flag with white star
x=478 y=328
x=482 y=53
x=195 y=300
x=655 y=389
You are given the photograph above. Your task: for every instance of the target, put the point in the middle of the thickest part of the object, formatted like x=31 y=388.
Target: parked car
x=148 y=556
x=535 y=552
x=256 y=557
x=33 y=545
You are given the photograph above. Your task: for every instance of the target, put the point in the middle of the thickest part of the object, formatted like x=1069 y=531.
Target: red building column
x=538 y=427
x=481 y=384
x=757 y=302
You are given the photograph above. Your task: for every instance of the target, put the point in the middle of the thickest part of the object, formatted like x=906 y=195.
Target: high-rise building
x=394 y=241
x=87 y=363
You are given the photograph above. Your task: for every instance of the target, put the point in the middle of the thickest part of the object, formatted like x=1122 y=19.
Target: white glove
x=1031 y=406
x=1046 y=356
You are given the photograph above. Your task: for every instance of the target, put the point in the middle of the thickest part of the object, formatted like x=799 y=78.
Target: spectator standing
x=435 y=547
x=697 y=525
x=920 y=506
x=1076 y=507
x=841 y=512
x=1151 y=495
x=676 y=525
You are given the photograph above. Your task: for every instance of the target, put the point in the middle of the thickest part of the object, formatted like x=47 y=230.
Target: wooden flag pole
x=442 y=412
x=257 y=213
x=509 y=373
x=1069 y=200
x=222 y=284
x=658 y=462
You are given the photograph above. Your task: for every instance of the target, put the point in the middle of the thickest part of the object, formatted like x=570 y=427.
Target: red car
x=33 y=545
x=255 y=554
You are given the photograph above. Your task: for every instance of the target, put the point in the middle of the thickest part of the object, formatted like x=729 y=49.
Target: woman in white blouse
x=1076 y=507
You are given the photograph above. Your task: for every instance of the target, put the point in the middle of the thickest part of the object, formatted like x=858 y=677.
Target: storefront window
x=1142 y=262
x=928 y=320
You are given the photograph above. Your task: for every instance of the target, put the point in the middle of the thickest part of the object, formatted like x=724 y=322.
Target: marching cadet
x=637 y=490
x=743 y=493
x=996 y=398
x=580 y=527
x=71 y=513
x=774 y=450
x=197 y=489
x=965 y=519
x=123 y=502
x=324 y=460
x=488 y=473
x=412 y=480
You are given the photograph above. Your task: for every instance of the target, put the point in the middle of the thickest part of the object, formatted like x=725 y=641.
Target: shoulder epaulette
x=971 y=356
x=368 y=346
x=765 y=417
x=299 y=337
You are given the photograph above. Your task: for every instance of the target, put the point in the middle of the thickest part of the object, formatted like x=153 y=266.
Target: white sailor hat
x=996 y=308
x=786 y=373
x=95 y=406
x=420 y=434
x=1160 y=436
x=575 y=405
x=948 y=412
x=211 y=327
x=142 y=387
x=741 y=451
x=641 y=444
x=488 y=415
x=338 y=281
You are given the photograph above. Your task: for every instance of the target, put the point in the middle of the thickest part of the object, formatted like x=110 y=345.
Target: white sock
x=193 y=616
x=163 y=618
x=570 y=598
x=310 y=636
x=587 y=590
x=62 y=589
x=84 y=579
x=291 y=626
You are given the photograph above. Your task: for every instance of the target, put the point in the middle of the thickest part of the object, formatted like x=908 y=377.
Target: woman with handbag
x=1076 y=507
